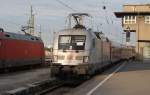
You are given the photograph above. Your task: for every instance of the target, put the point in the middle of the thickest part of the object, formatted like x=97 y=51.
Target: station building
x=136 y=18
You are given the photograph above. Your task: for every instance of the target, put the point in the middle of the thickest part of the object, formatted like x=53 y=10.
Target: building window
x=129 y=20
x=147 y=19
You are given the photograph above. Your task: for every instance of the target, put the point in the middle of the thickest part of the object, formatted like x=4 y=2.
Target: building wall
x=142 y=29
x=137 y=8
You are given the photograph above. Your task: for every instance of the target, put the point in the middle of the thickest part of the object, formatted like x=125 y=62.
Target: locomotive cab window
x=71 y=42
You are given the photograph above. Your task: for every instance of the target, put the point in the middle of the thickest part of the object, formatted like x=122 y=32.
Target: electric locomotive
x=17 y=50
x=81 y=51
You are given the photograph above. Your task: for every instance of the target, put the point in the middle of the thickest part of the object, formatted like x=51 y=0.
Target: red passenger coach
x=20 y=50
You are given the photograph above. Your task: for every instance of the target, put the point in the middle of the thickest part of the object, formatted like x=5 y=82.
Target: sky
x=51 y=16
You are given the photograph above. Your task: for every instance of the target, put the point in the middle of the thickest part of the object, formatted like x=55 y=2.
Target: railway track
x=25 y=68
x=48 y=87
x=62 y=88
x=51 y=87
x=68 y=84
x=37 y=88
x=43 y=88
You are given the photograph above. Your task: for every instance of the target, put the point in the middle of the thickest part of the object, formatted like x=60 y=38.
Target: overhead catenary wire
x=113 y=21
x=9 y=23
x=108 y=20
x=105 y=11
x=67 y=6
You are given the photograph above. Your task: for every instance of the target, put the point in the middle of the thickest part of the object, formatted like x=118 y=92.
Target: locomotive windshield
x=71 y=42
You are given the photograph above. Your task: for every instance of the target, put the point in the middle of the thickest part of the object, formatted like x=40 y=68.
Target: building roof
x=121 y=14
x=136 y=5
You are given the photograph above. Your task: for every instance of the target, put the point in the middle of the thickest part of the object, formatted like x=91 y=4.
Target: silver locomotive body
x=80 y=51
x=71 y=47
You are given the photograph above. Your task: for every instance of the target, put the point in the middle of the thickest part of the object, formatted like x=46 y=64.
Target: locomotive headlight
x=85 y=59
x=55 y=58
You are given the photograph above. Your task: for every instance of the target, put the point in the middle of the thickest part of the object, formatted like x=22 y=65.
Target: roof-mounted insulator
x=1 y=30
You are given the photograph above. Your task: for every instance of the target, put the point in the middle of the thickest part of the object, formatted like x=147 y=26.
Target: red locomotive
x=20 y=50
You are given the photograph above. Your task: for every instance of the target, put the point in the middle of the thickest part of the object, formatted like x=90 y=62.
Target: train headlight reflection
x=85 y=59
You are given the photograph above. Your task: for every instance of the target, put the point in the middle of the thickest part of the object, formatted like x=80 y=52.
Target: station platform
x=128 y=78
x=15 y=80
